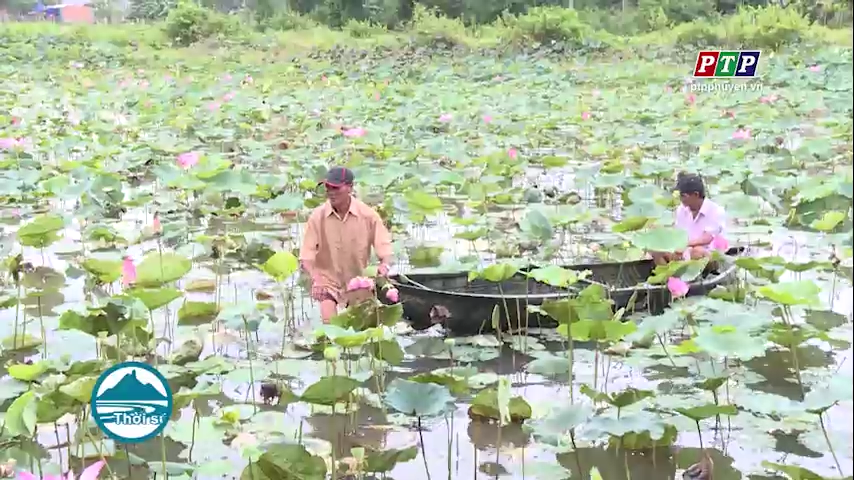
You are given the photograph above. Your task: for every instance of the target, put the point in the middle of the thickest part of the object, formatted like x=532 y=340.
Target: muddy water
x=475 y=452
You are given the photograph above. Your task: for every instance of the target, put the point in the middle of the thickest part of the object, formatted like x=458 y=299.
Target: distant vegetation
x=684 y=26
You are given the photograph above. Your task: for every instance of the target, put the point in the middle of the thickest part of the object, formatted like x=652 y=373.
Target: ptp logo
x=720 y=64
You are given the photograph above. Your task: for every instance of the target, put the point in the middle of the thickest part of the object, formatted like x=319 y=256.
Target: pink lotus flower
x=155 y=224
x=678 y=288
x=213 y=106
x=445 y=117
x=768 y=99
x=128 y=272
x=487 y=119
x=140 y=71
x=360 y=283
x=815 y=68
x=188 y=160
x=585 y=115
x=728 y=113
x=512 y=153
x=741 y=134
x=720 y=244
x=228 y=97
x=8 y=143
x=16 y=121
x=393 y=295
x=143 y=84
x=691 y=99
x=596 y=93
x=354 y=132
x=376 y=96
x=498 y=78
x=124 y=84
x=226 y=78
x=90 y=473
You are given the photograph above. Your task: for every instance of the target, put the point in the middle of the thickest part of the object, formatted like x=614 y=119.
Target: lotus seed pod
x=450 y=342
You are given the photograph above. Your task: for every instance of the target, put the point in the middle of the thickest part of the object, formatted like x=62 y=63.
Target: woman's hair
x=690 y=183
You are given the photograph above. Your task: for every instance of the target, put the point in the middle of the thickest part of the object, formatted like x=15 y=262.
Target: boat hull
x=469 y=305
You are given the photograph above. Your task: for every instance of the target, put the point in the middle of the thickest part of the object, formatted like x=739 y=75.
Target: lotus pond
x=201 y=169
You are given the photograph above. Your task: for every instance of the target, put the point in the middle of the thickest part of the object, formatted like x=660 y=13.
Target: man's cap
x=338 y=177
x=690 y=183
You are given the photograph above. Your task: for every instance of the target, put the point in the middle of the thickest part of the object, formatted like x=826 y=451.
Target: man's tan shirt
x=341 y=246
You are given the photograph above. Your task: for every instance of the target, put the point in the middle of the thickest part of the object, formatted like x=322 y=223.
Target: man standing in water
x=700 y=217
x=338 y=240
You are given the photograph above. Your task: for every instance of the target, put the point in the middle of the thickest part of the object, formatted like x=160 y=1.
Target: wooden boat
x=465 y=308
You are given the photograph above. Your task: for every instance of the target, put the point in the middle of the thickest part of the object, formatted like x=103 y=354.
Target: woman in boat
x=700 y=217
x=338 y=240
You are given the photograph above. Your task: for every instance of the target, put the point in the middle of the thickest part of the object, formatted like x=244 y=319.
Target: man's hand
x=382 y=270
x=318 y=292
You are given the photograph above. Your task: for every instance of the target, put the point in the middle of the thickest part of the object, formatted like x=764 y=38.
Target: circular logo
x=131 y=402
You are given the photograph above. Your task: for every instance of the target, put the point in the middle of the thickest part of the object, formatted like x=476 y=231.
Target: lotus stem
x=193 y=435
x=41 y=326
x=664 y=347
x=334 y=453
x=17 y=314
x=127 y=456
x=450 y=427
x=829 y=444
x=97 y=446
x=507 y=313
x=163 y=455
x=423 y=450
x=151 y=323
x=699 y=433
x=251 y=369
x=607 y=373
x=833 y=288
x=626 y=463
x=284 y=320
x=575 y=449
x=569 y=356
x=24 y=321
x=58 y=444
x=500 y=426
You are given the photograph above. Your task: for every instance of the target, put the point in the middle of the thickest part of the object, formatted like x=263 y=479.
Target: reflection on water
x=778 y=371
x=661 y=464
x=366 y=427
x=788 y=442
x=485 y=436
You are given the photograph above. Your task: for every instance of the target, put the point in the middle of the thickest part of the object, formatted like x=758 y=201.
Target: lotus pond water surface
x=200 y=172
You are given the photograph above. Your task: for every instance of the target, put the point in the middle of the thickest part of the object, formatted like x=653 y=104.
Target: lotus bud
x=331 y=354
x=393 y=295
